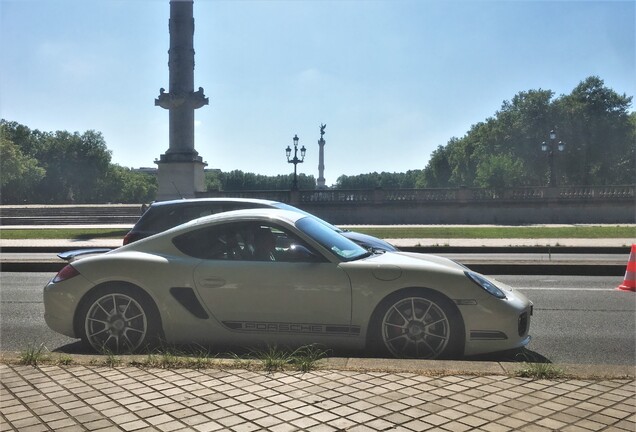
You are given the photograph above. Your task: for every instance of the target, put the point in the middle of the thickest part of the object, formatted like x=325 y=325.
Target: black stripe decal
x=304 y=328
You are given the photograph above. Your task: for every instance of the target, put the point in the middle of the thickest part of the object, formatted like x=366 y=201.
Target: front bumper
x=497 y=324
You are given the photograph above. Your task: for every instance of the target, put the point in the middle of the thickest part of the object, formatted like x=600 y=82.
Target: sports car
x=277 y=277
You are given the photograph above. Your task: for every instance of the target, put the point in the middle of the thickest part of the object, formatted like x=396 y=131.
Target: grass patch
x=63 y=233
x=306 y=357
x=274 y=359
x=64 y=360
x=522 y=232
x=172 y=359
x=393 y=232
x=537 y=367
x=34 y=355
x=539 y=371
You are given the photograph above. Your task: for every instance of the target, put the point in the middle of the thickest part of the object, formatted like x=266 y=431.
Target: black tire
x=417 y=324
x=118 y=320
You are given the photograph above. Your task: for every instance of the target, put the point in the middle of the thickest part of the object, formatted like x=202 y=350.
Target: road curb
x=418 y=367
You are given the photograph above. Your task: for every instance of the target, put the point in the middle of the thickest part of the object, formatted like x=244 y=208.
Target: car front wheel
x=117 y=321
x=419 y=326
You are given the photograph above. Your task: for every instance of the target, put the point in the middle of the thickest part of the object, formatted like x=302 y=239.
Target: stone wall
x=514 y=206
x=518 y=206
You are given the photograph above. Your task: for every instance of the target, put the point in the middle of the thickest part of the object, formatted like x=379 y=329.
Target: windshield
x=341 y=246
x=284 y=206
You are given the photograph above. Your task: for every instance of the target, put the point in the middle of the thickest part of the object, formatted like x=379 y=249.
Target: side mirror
x=302 y=253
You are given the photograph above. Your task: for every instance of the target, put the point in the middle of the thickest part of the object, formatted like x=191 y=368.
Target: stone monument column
x=321 y=159
x=180 y=168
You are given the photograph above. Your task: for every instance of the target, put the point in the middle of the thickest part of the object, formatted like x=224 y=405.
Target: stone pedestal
x=181 y=169
x=180 y=179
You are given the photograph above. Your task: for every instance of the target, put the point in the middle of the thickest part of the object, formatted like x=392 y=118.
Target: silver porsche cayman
x=276 y=277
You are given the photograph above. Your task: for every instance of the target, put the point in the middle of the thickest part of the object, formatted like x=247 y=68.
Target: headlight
x=485 y=284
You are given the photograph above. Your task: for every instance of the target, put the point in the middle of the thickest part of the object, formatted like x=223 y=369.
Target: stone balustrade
x=510 y=206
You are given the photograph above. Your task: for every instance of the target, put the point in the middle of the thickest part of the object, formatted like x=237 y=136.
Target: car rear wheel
x=117 y=321
x=423 y=326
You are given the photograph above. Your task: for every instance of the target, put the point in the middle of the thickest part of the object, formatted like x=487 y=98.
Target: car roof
x=248 y=214
x=187 y=201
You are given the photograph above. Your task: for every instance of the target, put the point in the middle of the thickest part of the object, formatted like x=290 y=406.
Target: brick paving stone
x=626 y=425
x=88 y=417
x=304 y=423
x=617 y=413
x=603 y=419
x=35 y=428
x=62 y=423
x=465 y=408
x=208 y=427
x=253 y=414
x=195 y=419
x=321 y=400
x=418 y=425
x=495 y=427
x=115 y=411
x=25 y=422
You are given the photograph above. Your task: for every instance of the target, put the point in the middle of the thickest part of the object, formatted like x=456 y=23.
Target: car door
x=287 y=293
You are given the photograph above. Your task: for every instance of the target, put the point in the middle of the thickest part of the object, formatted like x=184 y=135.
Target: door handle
x=212 y=282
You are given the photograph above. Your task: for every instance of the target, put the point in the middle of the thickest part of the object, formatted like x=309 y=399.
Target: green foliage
x=593 y=122
x=241 y=181
x=127 y=186
x=34 y=355
x=374 y=180
x=499 y=171
x=20 y=174
x=63 y=167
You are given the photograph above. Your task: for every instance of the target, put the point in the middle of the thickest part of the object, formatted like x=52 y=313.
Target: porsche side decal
x=274 y=327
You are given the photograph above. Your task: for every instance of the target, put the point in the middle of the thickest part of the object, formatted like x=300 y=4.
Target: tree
x=76 y=164
x=499 y=171
x=19 y=174
x=593 y=121
x=374 y=180
x=598 y=134
x=238 y=180
x=124 y=185
x=438 y=171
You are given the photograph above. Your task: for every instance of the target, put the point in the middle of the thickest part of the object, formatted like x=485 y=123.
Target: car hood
x=447 y=262
x=406 y=261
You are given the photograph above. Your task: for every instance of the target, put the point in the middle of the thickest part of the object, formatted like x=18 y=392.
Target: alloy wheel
x=416 y=327
x=116 y=323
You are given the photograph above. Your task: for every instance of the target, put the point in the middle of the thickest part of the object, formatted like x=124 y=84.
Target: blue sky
x=391 y=79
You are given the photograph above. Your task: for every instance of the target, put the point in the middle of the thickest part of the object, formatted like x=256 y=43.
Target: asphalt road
x=576 y=319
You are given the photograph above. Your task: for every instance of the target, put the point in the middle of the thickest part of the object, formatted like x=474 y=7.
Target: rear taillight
x=66 y=273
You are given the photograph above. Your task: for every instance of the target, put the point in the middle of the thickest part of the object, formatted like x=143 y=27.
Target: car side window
x=218 y=243
x=246 y=242
x=269 y=242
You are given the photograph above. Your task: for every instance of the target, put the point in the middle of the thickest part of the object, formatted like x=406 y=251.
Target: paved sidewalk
x=84 y=397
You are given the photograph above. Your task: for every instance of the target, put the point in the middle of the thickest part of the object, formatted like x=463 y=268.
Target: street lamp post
x=295 y=160
x=550 y=147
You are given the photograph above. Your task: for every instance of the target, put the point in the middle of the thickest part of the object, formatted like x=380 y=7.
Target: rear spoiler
x=73 y=255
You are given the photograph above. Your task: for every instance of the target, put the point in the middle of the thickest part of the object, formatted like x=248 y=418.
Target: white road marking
x=563 y=289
